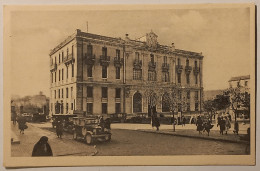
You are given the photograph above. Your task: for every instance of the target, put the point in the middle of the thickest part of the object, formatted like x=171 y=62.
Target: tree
x=209 y=107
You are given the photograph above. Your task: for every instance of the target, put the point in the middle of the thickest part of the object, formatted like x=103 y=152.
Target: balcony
x=118 y=62
x=90 y=59
x=188 y=69
x=69 y=59
x=137 y=64
x=104 y=60
x=179 y=68
x=151 y=66
x=165 y=67
x=53 y=67
x=196 y=70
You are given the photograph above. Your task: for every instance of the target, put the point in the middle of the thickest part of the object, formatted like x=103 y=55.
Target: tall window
x=67 y=107
x=62 y=93
x=188 y=94
x=55 y=77
x=117 y=72
x=55 y=94
x=52 y=77
x=165 y=59
x=71 y=106
x=152 y=58
x=179 y=77
x=90 y=108
x=165 y=77
x=179 y=61
x=71 y=90
x=89 y=50
x=188 y=107
x=104 y=92
x=104 y=108
x=118 y=107
x=62 y=74
x=117 y=53
x=104 y=71
x=67 y=92
x=196 y=106
x=196 y=79
x=67 y=72
x=196 y=95
x=196 y=64
x=104 y=51
x=118 y=92
x=72 y=70
x=67 y=52
x=151 y=76
x=59 y=93
x=137 y=74
x=187 y=62
x=89 y=70
x=137 y=102
x=62 y=55
x=55 y=60
x=72 y=50
x=188 y=78
x=59 y=75
x=89 y=91
x=59 y=57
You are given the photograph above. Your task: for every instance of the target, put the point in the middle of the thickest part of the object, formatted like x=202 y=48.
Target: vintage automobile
x=28 y=117
x=66 y=119
x=90 y=130
x=117 y=117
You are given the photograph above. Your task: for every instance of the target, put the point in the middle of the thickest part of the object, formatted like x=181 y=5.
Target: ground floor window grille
x=137 y=74
x=151 y=76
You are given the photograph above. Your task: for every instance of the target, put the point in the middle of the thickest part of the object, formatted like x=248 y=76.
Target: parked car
x=117 y=117
x=90 y=130
x=66 y=119
x=28 y=117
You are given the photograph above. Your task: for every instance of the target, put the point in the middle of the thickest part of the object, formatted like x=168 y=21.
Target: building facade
x=93 y=74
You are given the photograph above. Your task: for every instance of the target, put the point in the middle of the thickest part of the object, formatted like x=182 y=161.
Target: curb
x=198 y=137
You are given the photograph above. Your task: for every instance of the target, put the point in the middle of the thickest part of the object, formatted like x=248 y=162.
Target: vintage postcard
x=101 y=85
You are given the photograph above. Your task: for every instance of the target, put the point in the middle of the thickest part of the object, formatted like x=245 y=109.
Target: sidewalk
x=187 y=131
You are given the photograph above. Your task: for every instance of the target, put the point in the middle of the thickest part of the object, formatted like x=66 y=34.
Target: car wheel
x=75 y=136
x=88 y=139
x=107 y=137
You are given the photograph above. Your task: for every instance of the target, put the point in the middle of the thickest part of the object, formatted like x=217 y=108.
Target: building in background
x=94 y=74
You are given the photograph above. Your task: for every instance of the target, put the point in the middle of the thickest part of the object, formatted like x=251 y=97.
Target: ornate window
x=104 y=71
x=89 y=70
x=188 y=78
x=165 y=77
x=117 y=72
x=104 y=108
x=89 y=91
x=179 y=77
x=118 y=92
x=89 y=108
x=104 y=92
x=151 y=76
x=137 y=102
x=89 y=50
x=165 y=103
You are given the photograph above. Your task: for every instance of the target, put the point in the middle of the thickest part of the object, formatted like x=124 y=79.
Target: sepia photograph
x=129 y=85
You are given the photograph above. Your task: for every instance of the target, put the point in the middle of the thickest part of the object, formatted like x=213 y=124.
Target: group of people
x=203 y=126
x=224 y=124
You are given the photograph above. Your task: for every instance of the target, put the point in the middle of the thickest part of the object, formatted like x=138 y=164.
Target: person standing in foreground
x=222 y=125
x=22 y=124
x=42 y=148
x=236 y=128
x=183 y=121
x=59 y=129
x=199 y=124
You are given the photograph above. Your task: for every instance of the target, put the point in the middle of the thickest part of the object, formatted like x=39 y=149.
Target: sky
x=221 y=34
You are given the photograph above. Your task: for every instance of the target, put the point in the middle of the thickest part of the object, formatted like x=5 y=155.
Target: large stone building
x=94 y=74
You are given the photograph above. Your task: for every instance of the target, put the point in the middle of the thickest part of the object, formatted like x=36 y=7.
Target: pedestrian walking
x=221 y=125
x=183 y=121
x=207 y=126
x=42 y=148
x=59 y=129
x=157 y=123
x=102 y=123
x=218 y=119
x=227 y=124
x=22 y=124
x=236 y=128
x=199 y=124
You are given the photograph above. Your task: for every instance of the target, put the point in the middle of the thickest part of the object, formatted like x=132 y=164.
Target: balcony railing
x=165 y=67
x=69 y=59
x=151 y=66
x=90 y=59
x=104 y=60
x=137 y=64
x=53 y=67
x=196 y=70
x=188 y=69
x=118 y=62
x=179 y=68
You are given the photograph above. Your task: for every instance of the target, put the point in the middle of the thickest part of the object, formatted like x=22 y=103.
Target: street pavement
x=130 y=140
x=60 y=147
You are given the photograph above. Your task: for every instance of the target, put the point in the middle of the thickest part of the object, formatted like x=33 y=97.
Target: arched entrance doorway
x=137 y=102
